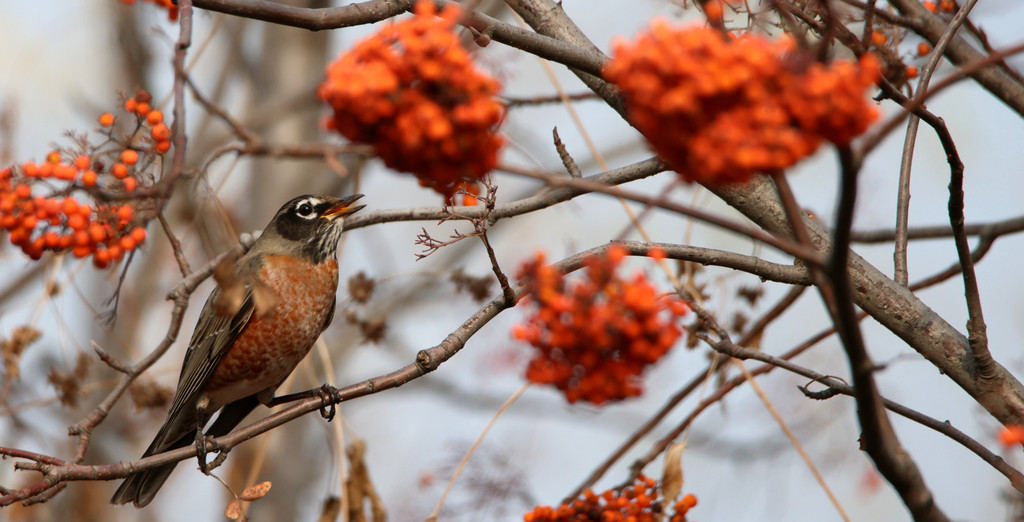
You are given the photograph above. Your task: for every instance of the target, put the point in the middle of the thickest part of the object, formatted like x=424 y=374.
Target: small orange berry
x=50 y=239
x=142 y=109
x=160 y=132
x=129 y=157
x=80 y=251
x=139 y=235
x=129 y=184
x=106 y=119
x=930 y=6
x=129 y=104
x=53 y=157
x=947 y=6
x=119 y=170
x=116 y=252
x=163 y=146
x=30 y=169
x=45 y=169
x=34 y=249
x=101 y=258
x=97 y=234
x=81 y=239
x=69 y=206
x=911 y=72
x=155 y=117
x=923 y=48
x=23 y=191
x=878 y=38
x=77 y=221
x=127 y=243
x=1011 y=435
x=82 y=162
x=125 y=213
x=689 y=500
x=89 y=178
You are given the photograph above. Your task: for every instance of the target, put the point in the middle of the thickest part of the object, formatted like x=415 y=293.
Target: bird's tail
x=140 y=487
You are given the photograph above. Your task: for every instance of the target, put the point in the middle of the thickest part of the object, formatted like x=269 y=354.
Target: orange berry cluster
x=59 y=221
x=147 y=118
x=636 y=503
x=595 y=338
x=720 y=108
x=39 y=223
x=412 y=92
x=172 y=8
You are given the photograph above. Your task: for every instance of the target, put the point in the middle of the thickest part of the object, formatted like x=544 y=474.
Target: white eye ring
x=304 y=208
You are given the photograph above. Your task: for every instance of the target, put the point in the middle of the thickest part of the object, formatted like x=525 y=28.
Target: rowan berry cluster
x=38 y=204
x=172 y=8
x=636 y=503
x=720 y=108
x=595 y=337
x=412 y=92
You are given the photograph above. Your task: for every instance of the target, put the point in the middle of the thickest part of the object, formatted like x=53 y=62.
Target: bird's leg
x=201 y=441
x=327 y=393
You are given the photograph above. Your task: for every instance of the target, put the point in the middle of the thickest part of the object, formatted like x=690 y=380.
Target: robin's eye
x=305 y=210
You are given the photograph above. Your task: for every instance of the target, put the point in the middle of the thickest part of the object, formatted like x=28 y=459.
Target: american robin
x=244 y=347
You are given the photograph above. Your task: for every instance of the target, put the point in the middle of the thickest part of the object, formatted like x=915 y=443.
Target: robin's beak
x=343 y=208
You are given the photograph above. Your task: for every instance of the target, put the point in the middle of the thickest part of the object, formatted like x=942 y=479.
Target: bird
x=256 y=326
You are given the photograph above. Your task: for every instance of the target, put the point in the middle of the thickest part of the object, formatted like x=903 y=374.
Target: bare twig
x=179 y=254
x=570 y=164
x=540 y=100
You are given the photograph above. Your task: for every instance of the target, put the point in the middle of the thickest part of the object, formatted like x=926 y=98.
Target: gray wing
x=213 y=335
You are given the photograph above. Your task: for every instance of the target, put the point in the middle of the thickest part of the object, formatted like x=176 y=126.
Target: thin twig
x=179 y=254
x=570 y=164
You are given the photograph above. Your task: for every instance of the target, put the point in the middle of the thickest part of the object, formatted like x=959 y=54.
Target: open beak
x=344 y=207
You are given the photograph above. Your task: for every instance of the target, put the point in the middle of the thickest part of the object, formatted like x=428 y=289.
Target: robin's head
x=309 y=226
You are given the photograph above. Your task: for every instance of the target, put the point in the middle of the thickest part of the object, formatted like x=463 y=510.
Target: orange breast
x=269 y=348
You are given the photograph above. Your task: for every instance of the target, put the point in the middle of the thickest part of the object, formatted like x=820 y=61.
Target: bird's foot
x=329 y=395
x=205 y=445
